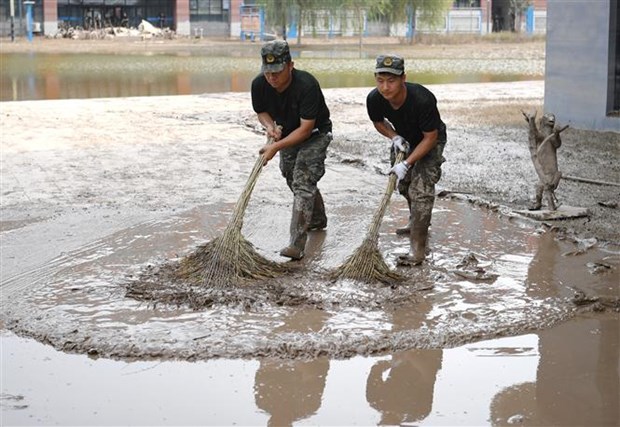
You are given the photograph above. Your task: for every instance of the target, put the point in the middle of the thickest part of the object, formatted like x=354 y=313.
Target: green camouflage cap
x=393 y=64
x=275 y=54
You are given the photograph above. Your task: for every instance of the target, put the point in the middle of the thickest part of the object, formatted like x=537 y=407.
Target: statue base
x=562 y=212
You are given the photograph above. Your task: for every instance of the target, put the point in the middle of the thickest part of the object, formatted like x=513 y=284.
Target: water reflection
x=576 y=379
x=290 y=390
x=562 y=394
x=35 y=76
x=402 y=388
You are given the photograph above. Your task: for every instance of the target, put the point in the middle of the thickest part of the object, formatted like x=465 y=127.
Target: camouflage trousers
x=303 y=166
x=418 y=185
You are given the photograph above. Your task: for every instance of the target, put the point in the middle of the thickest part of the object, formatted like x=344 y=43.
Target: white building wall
x=577 y=63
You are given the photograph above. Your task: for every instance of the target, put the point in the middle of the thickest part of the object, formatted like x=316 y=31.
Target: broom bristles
x=230 y=259
x=366 y=263
x=227 y=260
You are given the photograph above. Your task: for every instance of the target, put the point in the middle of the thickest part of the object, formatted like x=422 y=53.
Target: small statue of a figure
x=544 y=140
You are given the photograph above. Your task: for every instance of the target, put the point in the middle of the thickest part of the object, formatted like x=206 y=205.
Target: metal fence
x=457 y=21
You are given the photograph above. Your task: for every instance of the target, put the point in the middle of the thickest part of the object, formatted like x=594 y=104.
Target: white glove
x=399 y=143
x=400 y=170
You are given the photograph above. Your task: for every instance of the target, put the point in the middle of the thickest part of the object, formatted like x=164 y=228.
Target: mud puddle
x=552 y=377
x=489 y=275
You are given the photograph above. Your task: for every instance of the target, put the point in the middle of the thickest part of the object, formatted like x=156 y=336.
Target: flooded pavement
x=488 y=332
x=567 y=375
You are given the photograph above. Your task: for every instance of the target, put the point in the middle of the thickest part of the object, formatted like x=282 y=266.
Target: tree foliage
x=276 y=14
x=397 y=11
x=280 y=14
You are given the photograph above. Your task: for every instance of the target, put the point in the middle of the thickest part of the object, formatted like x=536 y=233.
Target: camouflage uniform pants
x=418 y=186
x=303 y=166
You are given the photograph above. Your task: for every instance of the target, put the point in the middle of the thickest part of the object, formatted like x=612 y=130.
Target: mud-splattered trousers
x=303 y=165
x=418 y=185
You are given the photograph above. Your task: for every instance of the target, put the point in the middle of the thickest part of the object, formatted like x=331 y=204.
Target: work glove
x=400 y=170
x=399 y=144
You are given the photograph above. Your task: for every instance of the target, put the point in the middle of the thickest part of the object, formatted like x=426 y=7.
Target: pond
x=36 y=75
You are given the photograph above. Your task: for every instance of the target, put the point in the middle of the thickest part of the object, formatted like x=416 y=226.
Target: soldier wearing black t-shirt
x=290 y=105
x=407 y=114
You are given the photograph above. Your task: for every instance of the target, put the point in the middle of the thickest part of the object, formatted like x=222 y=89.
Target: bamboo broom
x=366 y=263
x=230 y=259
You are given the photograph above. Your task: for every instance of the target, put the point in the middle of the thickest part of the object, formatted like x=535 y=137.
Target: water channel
x=36 y=75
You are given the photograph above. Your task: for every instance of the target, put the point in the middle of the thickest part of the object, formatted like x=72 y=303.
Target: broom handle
x=373 y=232
x=244 y=199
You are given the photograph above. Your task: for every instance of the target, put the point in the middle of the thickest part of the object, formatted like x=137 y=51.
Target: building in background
x=210 y=18
x=246 y=19
x=465 y=17
x=582 y=76
x=492 y=16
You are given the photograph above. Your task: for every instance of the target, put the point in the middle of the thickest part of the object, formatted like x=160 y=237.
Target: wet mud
x=81 y=305
x=114 y=211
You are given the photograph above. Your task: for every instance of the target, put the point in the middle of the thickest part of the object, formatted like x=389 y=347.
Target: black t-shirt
x=418 y=114
x=303 y=99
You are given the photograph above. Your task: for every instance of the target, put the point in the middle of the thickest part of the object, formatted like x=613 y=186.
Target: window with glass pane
x=210 y=7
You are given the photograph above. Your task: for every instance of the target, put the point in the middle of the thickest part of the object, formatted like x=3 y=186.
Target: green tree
x=276 y=14
x=359 y=10
x=518 y=7
x=408 y=11
x=279 y=12
x=306 y=11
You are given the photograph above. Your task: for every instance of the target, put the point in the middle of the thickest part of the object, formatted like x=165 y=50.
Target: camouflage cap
x=393 y=64
x=275 y=54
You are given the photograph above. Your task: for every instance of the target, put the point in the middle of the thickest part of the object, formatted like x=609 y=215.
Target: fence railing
x=458 y=21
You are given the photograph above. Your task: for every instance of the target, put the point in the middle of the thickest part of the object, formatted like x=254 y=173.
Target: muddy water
x=433 y=359
x=424 y=361
x=565 y=376
x=504 y=350
x=529 y=279
x=34 y=76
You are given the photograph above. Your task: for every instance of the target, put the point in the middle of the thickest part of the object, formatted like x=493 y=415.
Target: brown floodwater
x=567 y=375
x=87 y=212
x=35 y=76
x=510 y=350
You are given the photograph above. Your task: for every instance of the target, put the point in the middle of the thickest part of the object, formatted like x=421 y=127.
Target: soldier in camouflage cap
x=291 y=107
x=407 y=114
x=275 y=56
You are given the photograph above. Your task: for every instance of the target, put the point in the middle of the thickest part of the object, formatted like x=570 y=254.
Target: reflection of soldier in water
x=291 y=390
x=402 y=389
